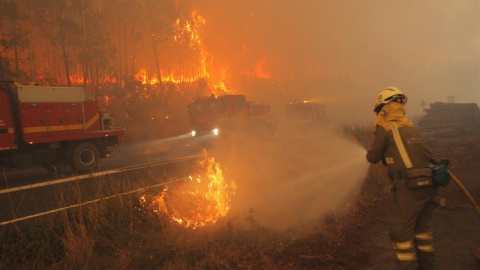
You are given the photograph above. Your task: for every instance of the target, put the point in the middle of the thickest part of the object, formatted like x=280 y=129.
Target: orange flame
x=107 y=99
x=189 y=33
x=200 y=201
x=260 y=71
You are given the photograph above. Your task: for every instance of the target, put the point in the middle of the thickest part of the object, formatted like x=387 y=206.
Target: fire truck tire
x=85 y=157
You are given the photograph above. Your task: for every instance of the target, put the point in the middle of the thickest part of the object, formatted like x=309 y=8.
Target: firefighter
x=410 y=209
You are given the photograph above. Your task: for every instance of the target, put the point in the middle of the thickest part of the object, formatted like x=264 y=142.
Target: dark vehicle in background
x=307 y=111
x=229 y=114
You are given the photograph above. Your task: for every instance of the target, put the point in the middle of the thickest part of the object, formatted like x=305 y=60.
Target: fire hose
x=476 y=251
x=464 y=189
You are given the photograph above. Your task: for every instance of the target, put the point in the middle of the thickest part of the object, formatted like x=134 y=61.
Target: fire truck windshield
x=202 y=107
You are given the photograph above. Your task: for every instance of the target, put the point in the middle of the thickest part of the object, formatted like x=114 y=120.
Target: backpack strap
x=401 y=147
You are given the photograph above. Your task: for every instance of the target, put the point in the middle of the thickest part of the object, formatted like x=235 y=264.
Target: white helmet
x=387 y=95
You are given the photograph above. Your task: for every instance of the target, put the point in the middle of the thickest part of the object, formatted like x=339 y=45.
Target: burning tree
x=141 y=53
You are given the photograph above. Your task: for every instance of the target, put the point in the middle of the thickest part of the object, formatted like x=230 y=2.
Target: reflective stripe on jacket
x=384 y=148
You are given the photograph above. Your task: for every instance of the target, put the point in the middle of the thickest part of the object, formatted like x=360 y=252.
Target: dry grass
x=121 y=234
x=357 y=132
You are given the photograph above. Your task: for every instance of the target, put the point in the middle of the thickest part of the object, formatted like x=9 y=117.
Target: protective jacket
x=410 y=210
x=384 y=148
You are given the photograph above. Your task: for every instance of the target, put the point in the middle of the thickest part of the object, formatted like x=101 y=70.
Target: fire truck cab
x=212 y=115
x=227 y=114
x=47 y=125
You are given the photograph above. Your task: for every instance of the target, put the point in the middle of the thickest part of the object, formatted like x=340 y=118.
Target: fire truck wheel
x=85 y=157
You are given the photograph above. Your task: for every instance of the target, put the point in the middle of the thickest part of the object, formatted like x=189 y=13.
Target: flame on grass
x=201 y=200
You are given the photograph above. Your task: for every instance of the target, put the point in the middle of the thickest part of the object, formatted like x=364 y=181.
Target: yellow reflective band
x=92 y=120
x=34 y=129
x=401 y=148
x=424 y=236
x=406 y=257
x=61 y=127
x=425 y=248
x=403 y=245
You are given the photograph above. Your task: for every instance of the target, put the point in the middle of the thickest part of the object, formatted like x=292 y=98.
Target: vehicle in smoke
x=307 y=111
x=262 y=121
x=48 y=125
x=229 y=114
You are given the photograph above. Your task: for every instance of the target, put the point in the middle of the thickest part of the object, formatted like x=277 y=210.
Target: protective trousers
x=409 y=229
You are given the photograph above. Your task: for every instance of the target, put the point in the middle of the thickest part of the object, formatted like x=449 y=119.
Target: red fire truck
x=228 y=114
x=46 y=125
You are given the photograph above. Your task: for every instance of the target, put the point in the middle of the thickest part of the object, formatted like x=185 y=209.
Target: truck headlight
x=193 y=133
x=215 y=131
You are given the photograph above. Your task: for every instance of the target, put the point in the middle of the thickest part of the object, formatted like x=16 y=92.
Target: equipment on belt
x=440 y=172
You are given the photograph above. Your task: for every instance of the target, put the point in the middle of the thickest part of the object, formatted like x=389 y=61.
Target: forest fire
x=188 y=37
x=188 y=32
x=199 y=201
x=175 y=51
x=143 y=77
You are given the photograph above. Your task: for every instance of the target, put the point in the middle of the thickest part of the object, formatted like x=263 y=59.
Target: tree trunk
x=86 y=57
x=134 y=56
x=3 y=63
x=15 y=40
x=156 y=60
x=65 y=55
x=125 y=44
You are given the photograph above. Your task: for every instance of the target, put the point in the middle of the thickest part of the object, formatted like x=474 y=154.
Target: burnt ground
x=456 y=226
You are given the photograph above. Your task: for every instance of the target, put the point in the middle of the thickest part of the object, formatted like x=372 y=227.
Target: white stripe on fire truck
x=59 y=128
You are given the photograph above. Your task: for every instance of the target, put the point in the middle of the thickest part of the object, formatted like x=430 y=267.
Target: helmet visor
x=400 y=98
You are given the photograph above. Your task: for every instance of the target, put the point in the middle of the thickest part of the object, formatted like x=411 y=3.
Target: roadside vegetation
x=121 y=233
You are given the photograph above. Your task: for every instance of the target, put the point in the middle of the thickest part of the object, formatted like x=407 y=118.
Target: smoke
x=352 y=49
x=299 y=175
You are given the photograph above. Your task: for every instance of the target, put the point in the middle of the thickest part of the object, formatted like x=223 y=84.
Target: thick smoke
x=353 y=49
x=300 y=175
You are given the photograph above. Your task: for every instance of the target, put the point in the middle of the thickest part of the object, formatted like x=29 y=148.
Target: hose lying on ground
x=469 y=196
x=476 y=252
